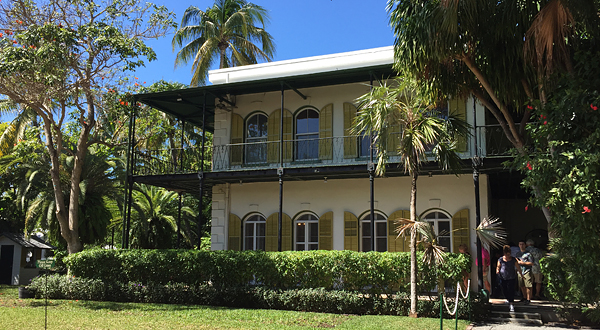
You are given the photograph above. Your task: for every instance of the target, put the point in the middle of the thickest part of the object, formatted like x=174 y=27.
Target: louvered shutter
x=271 y=235
x=326 y=132
x=326 y=231
x=350 y=149
x=273 y=124
x=350 y=232
x=400 y=244
x=460 y=229
x=234 y=240
x=458 y=108
x=237 y=138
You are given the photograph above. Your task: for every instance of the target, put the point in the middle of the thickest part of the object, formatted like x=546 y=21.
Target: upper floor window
x=307 y=233
x=441 y=224
x=380 y=232
x=307 y=134
x=256 y=139
x=254 y=232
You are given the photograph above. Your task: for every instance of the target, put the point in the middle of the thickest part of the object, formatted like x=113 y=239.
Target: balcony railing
x=334 y=151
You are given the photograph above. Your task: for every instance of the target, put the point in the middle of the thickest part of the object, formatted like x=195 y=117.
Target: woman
x=507 y=269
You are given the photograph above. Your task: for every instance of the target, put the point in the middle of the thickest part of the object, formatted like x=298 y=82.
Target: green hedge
x=313 y=300
x=371 y=272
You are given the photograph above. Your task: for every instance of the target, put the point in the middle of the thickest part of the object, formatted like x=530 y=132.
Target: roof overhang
x=188 y=104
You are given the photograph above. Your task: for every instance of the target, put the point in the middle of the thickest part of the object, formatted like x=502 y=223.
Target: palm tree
x=154 y=225
x=408 y=107
x=227 y=32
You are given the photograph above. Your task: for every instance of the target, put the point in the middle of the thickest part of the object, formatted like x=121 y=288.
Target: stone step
x=517 y=315
x=516 y=320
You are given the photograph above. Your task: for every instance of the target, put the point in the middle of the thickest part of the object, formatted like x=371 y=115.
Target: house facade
x=288 y=173
x=18 y=256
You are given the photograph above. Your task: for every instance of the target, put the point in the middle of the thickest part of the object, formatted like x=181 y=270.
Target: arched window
x=256 y=139
x=307 y=232
x=380 y=232
x=441 y=224
x=254 y=232
x=307 y=134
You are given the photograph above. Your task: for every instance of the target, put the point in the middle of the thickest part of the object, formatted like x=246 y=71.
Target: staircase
x=537 y=312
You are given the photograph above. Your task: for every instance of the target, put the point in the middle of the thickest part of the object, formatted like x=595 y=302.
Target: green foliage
x=227 y=32
x=354 y=271
x=565 y=169
x=308 y=299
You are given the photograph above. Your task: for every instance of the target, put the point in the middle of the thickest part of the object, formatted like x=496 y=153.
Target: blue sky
x=300 y=28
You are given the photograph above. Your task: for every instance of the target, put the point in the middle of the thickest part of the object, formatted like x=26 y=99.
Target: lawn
x=18 y=313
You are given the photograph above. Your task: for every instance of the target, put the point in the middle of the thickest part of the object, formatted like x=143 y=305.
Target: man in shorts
x=525 y=261
x=537 y=255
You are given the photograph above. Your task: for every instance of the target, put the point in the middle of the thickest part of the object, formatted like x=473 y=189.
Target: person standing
x=537 y=255
x=506 y=270
x=525 y=261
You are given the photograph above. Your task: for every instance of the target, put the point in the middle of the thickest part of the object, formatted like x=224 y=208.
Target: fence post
x=441 y=311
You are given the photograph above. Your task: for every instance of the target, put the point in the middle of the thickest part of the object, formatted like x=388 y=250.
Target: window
x=254 y=232
x=380 y=232
x=441 y=225
x=307 y=233
x=307 y=135
x=256 y=138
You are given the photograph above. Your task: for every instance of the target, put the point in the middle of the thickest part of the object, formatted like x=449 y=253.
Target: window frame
x=249 y=219
x=380 y=218
x=436 y=224
x=255 y=141
x=308 y=141
x=300 y=219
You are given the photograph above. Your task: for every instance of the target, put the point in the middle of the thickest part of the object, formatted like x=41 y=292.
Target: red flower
x=526 y=207
x=529 y=107
x=586 y=209
x=545 y=122
x=593 y=107
x=1 y=35
x=137 y=84
x=529 y=166
x=122 y=103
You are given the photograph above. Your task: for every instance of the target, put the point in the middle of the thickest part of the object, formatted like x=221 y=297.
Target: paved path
x=518 y=326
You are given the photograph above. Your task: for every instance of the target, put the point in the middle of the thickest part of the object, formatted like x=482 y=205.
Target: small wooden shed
x=18 y=255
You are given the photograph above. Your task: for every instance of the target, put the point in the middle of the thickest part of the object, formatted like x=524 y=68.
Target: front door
x=6 y=263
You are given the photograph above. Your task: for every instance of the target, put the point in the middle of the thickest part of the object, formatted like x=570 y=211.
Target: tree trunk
x=413 y=247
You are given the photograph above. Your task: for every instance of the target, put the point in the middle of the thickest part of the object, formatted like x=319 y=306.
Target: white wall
x=16 y=259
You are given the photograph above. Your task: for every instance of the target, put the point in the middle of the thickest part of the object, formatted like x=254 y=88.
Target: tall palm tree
x=406 y=105
x=227 y=32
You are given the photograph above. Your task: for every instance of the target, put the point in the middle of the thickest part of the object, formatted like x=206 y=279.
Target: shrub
x=371 y=272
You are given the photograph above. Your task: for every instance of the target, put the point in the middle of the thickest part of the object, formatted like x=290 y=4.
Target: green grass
x=18 y=313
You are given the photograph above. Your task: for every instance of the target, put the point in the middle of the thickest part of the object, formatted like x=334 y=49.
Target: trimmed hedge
x=370 y=272
x=313 y=300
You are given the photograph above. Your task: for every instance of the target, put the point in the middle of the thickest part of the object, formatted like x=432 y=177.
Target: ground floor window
x=441 y=224
x=254 y=232
x=380 y=233
x=307 y=233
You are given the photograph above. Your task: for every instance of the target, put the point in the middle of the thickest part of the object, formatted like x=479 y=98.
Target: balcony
x=335 y=151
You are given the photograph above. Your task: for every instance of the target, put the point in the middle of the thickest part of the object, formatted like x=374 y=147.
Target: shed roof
x=31 y=242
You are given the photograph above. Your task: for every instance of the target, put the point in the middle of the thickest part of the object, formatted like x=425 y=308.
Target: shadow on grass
x=121 y=306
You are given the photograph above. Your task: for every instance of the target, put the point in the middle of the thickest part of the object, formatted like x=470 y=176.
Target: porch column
x=371 y=170
x=201 y=175
x=130 y=166
x=476 y=162
x=280 y=173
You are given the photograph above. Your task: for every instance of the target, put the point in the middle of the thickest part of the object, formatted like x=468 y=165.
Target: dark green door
x=6 y=263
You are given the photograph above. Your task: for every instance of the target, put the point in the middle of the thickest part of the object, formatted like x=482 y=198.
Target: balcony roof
x=333 y=69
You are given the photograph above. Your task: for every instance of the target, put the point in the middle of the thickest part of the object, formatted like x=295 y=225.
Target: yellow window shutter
x=271 y=232
x=234 y=240
x=326 y=132
x=350 y=149
x=286 y=233
x=237 y=137
x=326 y=231
x=458 y=108
x=273 y=124
x=350 y=232
x=400 y=244
x=460 y=229
x=393 y=139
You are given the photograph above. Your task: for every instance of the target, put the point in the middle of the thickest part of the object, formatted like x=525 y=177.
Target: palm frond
x=491 y=233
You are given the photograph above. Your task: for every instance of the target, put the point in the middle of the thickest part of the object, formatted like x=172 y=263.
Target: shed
x=18 y=255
